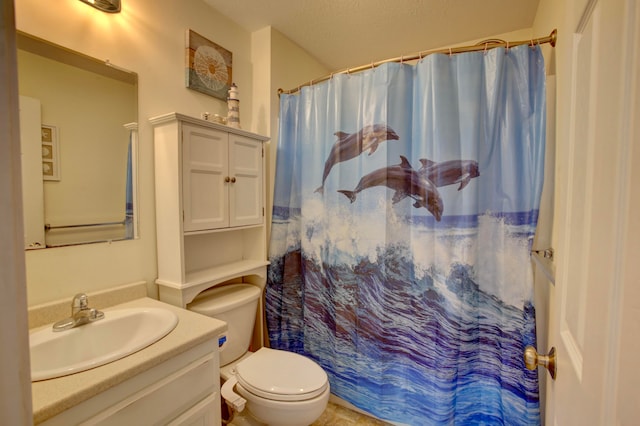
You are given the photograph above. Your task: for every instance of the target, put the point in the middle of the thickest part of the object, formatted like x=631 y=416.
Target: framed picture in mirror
x=50 y=153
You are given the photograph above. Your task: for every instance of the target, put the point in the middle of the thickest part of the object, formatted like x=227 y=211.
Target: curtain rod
x=483 y=45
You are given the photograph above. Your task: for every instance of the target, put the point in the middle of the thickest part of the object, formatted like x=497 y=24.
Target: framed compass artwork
x=209 y=66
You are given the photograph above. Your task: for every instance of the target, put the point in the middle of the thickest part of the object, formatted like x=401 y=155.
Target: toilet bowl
x=276 y=387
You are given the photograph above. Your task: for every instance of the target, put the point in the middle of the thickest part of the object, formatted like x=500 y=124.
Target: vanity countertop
x=53 y=396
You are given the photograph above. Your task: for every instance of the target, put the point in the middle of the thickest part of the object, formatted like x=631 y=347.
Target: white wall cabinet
x=222 y=179
x=210 y=197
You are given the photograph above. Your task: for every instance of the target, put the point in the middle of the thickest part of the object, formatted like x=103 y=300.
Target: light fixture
x=110 y=6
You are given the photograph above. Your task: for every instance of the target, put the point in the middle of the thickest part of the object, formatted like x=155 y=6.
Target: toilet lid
x=281 y=375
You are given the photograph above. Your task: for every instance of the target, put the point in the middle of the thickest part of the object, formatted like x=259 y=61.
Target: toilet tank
x=236 y=305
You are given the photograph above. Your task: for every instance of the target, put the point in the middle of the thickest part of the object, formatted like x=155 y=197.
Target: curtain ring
x=401 y=59
x=372 y=67
x=450 y=54
x=532 y=45
x=507 y=49
x=485 y=48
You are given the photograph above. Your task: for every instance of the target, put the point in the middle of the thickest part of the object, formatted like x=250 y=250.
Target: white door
x=596 y=306
x=245 y=191
x=32 y=184
x=204 y=170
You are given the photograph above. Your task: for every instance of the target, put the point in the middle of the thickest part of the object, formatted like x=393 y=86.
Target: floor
x=336 y=415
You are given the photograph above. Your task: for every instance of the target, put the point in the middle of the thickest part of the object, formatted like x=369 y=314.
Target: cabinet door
x=204 y=169
x=245 y=190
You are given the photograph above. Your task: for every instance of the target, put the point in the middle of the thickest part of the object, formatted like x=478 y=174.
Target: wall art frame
x=209 y=66
x=50 y=153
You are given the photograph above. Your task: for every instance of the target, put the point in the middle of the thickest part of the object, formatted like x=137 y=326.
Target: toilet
x=276 y=387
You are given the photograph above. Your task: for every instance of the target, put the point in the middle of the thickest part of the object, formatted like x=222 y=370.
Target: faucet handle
x=95 y=315
x=80 y=302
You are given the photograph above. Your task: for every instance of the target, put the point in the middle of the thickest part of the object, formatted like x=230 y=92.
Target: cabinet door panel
x=206 y=413
x=245 y=193
x=205 y=168
x=164 y=400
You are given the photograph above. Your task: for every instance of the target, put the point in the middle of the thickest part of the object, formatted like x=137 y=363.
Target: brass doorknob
x=233 y=180
x=532 y=359
x=227 y=179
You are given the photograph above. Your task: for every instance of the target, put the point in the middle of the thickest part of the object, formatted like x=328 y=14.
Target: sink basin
x=121 y=333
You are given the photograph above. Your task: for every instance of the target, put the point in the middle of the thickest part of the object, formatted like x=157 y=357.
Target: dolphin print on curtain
x=405 y=204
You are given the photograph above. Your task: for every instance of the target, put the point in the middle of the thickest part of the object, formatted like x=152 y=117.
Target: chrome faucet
x=80 y=314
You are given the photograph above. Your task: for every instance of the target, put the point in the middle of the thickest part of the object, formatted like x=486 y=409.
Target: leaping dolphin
x=449 y=172
x=406 y=182
x=349 y=146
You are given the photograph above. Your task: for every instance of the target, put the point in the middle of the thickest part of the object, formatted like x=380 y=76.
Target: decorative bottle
x=233 y=116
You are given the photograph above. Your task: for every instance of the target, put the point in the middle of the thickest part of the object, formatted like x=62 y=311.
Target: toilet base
x=278 y=413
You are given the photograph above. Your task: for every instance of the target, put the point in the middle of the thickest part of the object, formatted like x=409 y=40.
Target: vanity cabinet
x=210 y=198
x=181 y=391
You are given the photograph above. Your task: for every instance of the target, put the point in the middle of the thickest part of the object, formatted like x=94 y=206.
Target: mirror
x=78 y=130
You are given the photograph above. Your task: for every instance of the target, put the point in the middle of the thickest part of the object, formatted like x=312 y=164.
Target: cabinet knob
x=233 y=180
x=227 y=179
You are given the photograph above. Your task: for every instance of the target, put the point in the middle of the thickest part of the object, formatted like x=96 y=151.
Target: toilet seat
x=281 y=376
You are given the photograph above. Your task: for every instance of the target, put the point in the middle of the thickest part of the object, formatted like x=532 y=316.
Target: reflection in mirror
x=79 y=143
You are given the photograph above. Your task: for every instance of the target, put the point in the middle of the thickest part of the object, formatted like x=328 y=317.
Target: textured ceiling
x=348 y=33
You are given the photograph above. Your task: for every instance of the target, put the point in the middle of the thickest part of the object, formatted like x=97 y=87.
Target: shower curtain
x=405 y=204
